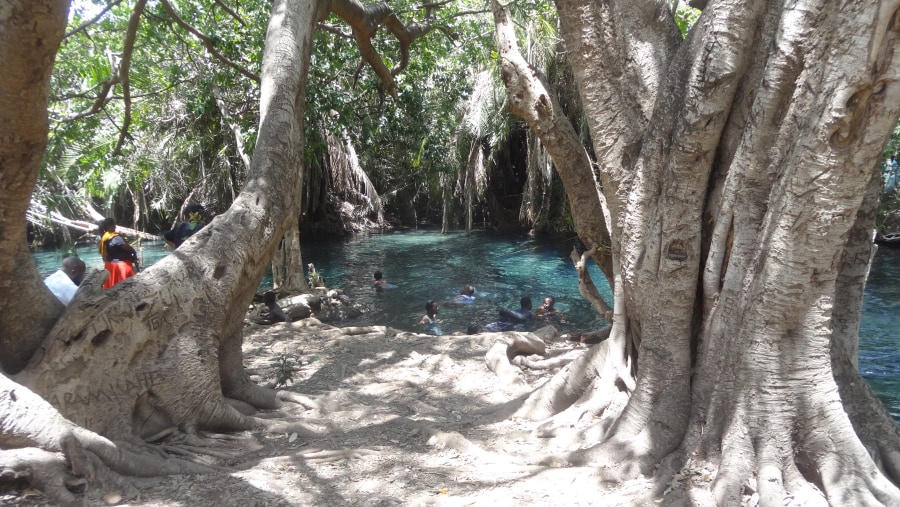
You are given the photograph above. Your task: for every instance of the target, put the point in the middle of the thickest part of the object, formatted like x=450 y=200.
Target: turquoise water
x=879 y=332
x=425 y=265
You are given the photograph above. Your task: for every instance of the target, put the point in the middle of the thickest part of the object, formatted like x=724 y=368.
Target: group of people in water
x=508 y=318
x=119 y=258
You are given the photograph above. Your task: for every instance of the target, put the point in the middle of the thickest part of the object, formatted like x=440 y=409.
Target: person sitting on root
x=64 y=282
x=276 y=313
x=181 y=231
x=119 y=258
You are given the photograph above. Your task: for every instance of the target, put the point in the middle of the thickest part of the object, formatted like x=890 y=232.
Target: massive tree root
x=39 y=444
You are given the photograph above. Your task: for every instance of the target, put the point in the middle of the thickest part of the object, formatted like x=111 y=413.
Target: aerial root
x=241 y=406
x=507 y=347
x=308 y=429
x=329 y=455
x=37 y=469
x=363 y=330
x=257 y=396
x=595 y=411
x=799 y=489
x=536 y=362
x=147 y=462
x=299 y=399
x=770 y=485
x=775 y=483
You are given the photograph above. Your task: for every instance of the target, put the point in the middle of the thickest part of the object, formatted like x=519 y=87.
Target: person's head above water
x=525 y=302
x=468 y=290
x=431 y=307
x=549 y=301
x=378 y=275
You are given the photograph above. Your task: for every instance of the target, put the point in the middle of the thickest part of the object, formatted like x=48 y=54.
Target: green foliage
x=178 y=143
x=892 y=150
x=185 y=104
x=685 y=17
x=283 y=368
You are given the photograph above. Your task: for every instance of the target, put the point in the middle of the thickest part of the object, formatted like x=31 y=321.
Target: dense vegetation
x=144 y=123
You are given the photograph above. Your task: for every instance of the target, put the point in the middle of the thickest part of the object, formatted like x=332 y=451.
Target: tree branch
x=124 y=67
x=365 y=20
x=586 y=285
x=102 y=97
x=530 y=99
x=94 y=20
x=207 y=42
x=233 y=14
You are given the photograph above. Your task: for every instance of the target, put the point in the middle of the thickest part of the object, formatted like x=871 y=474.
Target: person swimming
x=381 y=283
x=430 y=320
x=431 y=310
x=466 y=295
x=510 y=318
x=523 y=314
x=548 y=311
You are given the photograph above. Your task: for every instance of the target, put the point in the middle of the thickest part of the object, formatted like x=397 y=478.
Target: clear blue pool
x=426 y=265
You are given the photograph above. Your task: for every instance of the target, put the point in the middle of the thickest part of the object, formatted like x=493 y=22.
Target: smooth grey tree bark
x=736 y=167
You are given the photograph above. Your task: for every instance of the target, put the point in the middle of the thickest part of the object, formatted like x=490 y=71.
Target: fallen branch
x=91 y=227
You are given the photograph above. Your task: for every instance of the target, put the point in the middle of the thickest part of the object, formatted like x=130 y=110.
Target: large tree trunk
x=530 y=99
x=162 y=350
x=30 y=33
x=736 y=167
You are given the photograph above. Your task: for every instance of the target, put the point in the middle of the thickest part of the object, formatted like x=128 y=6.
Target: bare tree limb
x=586 y=285
x=124 y=66
x=234 y=126
x=530 y=98
x=333 y=29
x=102 y=98
x=233 y=14
x=93 y=20
x=365 y=20
x=207 y=42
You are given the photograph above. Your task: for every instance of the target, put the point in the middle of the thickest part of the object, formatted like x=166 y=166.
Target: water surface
x=425 y=265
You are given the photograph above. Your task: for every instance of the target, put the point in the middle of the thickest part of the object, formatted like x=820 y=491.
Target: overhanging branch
x=124 y=67
x=207 y=42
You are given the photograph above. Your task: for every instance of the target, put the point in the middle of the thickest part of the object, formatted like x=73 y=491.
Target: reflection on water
x=425 y=265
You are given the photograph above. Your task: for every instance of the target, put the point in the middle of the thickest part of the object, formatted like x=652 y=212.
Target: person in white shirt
x=65 y=281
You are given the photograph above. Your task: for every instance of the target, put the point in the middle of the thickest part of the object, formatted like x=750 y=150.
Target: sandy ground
x=406 y=421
